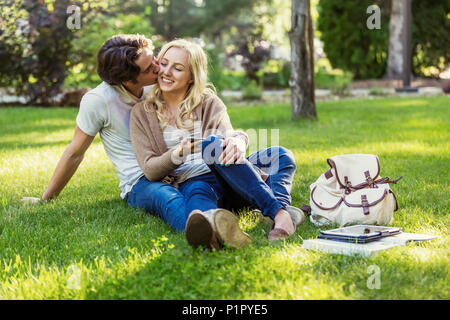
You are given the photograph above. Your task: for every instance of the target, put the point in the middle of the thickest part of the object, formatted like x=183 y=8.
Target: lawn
x=88 y=244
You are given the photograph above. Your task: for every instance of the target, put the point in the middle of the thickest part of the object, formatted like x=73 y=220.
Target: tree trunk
x=301 y=82
x=396 y=30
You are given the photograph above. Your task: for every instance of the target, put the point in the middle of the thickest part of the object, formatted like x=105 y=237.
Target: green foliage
x=348 y=43
x=246 y=39
x=34 y=46
x=338 y=83
x=39 y=65
x=331 y=79
x=13 y=43
x=351 y=46
x=234 y=80
x=186 y=18
x=90 y=38
x=279 y=74
x=431 y=36
x=215 y=69
x=121 y=253
x=252 y=91
x=37 y=48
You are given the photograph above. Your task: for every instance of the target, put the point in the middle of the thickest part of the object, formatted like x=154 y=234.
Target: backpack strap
x=365 y=204
x=369 y=183
x=387 y=180
x=369 y=180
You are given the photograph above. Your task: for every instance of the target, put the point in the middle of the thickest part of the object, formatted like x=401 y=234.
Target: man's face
x=149 y=68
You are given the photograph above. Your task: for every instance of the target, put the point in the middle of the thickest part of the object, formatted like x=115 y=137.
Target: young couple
x=173 y=146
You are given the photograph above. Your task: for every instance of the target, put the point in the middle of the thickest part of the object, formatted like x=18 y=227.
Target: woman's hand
x=185 y=148
x=234 y=151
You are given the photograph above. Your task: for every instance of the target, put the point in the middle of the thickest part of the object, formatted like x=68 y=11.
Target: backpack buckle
x=348 y=185
x=365 y=204
x=369 y=180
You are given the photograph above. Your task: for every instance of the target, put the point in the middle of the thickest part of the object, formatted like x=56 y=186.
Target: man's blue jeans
x=231 y=187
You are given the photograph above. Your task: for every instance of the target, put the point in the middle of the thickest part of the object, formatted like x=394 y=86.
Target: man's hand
x=31 y=200
x=234 y=151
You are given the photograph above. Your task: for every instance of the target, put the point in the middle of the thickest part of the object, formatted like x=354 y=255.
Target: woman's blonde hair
x=198 y=66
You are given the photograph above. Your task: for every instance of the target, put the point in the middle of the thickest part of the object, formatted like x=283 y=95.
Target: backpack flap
x=366 y=198
x=325 y=200
x=328 y=182
x=355 y=171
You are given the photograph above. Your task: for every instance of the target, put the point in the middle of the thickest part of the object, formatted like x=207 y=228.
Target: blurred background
x=48 y=54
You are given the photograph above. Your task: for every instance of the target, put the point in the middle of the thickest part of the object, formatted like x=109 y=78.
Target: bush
x=332 y=79
x=39 y=54
x=348 y=43
x=341 y=86
x=34 y=48
x=280 y=78
x=253 y=91
x=430 y=35
x=227 y=79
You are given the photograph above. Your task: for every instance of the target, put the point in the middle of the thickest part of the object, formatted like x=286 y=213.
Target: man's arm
x=67 y=165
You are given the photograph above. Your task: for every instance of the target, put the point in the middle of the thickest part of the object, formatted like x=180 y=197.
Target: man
x=127 y=66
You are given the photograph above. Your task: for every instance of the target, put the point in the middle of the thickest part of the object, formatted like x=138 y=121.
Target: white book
x=365 y=249
x=347 y=248
x=406 y=238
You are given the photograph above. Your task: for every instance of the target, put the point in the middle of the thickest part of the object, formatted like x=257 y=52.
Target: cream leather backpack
x=352 y=192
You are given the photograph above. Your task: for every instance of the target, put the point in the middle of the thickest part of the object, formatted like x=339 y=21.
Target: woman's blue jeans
x=232 y=187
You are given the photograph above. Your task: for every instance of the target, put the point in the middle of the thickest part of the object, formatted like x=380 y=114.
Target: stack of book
x=364 y=240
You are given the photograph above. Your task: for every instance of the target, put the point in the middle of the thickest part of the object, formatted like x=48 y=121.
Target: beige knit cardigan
x=148 y=142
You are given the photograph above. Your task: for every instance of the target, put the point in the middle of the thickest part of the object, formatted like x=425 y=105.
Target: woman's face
x=174 y=73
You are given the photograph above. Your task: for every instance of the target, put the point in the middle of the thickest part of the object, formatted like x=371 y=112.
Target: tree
x=302 y=61
x=396 y=30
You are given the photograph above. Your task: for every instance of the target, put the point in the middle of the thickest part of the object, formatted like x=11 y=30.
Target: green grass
x=119 y=253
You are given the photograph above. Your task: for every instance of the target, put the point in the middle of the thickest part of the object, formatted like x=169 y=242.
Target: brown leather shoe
x=228 y=230
x=214 y=228
x=200 y=231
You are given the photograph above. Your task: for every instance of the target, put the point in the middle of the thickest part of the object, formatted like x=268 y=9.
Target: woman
x=167 y=131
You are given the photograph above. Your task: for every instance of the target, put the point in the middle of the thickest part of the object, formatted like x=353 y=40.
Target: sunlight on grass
x=122 y=253
x=290 y=270
x=409 y=103
x=74 y=281
x=61 y=136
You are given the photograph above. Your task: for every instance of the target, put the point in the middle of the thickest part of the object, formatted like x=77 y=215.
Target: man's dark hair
x=116 y=58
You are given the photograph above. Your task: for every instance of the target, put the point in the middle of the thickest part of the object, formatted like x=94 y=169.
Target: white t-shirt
x=106 y=109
